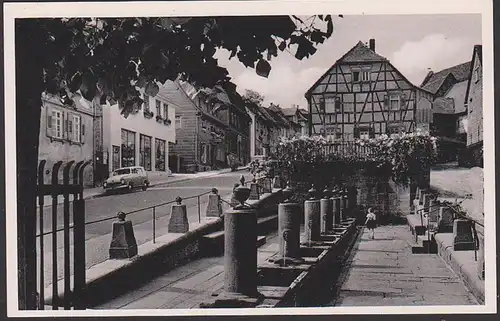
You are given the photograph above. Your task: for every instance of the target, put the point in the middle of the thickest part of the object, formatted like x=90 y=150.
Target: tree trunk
x=29 y=86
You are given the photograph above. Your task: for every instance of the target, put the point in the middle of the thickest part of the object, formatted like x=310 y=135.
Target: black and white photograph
x=249 y=157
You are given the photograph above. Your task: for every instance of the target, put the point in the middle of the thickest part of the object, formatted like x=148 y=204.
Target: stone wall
x=376 y=192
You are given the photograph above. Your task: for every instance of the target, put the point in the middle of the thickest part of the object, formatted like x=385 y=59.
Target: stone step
x=423 y=245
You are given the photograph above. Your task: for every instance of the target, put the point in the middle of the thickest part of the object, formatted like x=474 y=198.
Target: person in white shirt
x=371 y=222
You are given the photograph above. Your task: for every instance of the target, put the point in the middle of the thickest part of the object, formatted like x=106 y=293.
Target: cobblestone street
x=384 y=272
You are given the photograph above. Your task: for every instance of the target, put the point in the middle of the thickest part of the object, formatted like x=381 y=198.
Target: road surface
x=98 y=235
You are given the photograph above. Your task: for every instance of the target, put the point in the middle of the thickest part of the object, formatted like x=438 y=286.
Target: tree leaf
x=263 y=68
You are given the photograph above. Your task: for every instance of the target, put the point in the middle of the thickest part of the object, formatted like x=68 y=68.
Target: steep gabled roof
x=479 y=50
x=457 y=93
x=358 y=54
x=435 y=81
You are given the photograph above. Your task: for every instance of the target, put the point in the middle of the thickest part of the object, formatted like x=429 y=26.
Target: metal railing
x=153 y=214
x=457 y=214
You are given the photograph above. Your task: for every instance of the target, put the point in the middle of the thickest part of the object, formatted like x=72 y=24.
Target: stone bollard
x=326 y=211
x=289 y=230
x=312 y=224
x=123 y=244
x=240 y=252
x=254 y=190
x=427 y=201
x=462 y=236
x=445 y=223
x=178 y=222
x=433 y=214
x=422 y=192
x=214 y=207
x=276 y=182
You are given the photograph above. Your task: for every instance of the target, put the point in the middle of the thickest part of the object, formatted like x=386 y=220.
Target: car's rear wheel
x=130 y=187
x=145 y=185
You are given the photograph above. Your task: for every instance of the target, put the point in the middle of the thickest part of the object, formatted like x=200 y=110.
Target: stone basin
x=277 y=275
x=311 y=252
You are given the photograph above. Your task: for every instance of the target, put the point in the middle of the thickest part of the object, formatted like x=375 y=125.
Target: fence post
x=154 y=224
x=41 y=198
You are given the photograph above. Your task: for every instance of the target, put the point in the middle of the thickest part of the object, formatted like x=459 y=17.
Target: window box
x=167 y=122
x=148 y=114
x=159 y=119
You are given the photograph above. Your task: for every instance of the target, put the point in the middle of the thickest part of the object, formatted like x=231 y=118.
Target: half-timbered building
x=362 y=96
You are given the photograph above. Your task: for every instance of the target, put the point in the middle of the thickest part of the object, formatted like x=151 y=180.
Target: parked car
x=127 y=178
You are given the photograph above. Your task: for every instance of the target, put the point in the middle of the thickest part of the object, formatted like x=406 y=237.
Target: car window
x=135 y=171
x=121 y=171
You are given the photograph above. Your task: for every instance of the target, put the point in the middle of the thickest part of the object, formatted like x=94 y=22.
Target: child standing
x=371 y=222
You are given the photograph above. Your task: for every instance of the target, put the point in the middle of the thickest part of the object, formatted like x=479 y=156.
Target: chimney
x=372 y=44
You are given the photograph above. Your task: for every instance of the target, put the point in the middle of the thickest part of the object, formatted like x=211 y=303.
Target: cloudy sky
x=413 y=44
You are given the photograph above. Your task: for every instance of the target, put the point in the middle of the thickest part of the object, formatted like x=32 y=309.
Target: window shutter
x=64 y=125
x=356 y=132
x=322 y=104
x=386 y=101
x=372 y=132
x=82 y=131
x=50 y=128
x=402 y=100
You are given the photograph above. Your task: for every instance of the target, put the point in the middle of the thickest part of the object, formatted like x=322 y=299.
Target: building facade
x=209 y=129
x=363 y=95
x=261 y=128
x=141 y=139
x=449 y=124
x=474 y=102
x=66 y=134
x=298 y=116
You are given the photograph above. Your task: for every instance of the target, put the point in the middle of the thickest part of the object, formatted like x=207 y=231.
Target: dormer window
x=365 y=76
x=355 y=76
x=361 y=74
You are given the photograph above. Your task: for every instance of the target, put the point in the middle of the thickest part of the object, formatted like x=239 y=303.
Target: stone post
x=289 y=230
x=427 y=201
x=178 y=222
x=240 y=251
x=214 y=207
x=445 y=224
x=123 y=244
x=326 y=210
x=254 y=190
x=337 y=213
x=312 y=217
x=276 y=182
x=433 y=216
x=422 y=192
x=462 y=236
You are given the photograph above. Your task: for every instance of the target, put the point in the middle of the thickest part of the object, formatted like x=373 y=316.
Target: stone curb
x=460 y=262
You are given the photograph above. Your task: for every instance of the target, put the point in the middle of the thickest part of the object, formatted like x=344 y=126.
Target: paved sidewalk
x=384 y=272
x=155 y=180
x=184 y=287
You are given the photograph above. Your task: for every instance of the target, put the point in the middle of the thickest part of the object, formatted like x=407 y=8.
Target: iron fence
x=74 y=299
